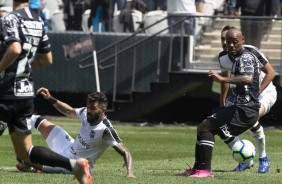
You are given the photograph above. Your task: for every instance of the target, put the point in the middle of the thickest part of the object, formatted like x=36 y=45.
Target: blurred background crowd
x=123 y=15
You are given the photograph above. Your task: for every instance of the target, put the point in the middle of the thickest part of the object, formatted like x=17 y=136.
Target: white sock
x=34 y=119
x=259 y=137
x=73 y=163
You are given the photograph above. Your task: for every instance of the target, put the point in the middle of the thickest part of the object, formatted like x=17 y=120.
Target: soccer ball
x=243 y=151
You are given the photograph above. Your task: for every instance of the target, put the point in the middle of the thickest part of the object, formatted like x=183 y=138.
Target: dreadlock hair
x=97 y=97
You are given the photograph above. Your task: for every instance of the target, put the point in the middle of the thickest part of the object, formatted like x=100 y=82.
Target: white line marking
x=8 y=168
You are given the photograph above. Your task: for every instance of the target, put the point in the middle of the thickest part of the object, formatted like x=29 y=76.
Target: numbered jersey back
x=27 y=28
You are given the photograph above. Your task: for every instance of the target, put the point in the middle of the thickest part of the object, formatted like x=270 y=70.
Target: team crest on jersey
x=92 y=134
x=67 y=137
x=28 y=123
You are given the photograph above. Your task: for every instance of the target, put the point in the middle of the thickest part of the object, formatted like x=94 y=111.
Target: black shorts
x=233 y=120
x=17 y=114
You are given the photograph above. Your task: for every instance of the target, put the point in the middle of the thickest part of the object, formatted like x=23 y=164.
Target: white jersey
x=90 y=143
x=181 y=7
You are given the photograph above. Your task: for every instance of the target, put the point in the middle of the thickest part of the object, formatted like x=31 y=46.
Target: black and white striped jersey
x=27 y=28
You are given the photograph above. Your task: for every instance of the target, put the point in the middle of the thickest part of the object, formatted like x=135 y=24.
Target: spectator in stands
x=120 y=5
x=156 y=5
x=113 y=3
x=181 y=10
x=230 y=7
x=275 y=7
x=254 y=29
x=99 y=16
x=38 y=6
x=56 y=20
x=35 y=5
x=4 y=11
x=199 y=5
x=139 y=5
x=73 y=10
x=125 y=16
x=272 y=10
x=45 y=14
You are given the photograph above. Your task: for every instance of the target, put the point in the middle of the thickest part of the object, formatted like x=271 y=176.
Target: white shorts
x=267 y=99
x=59 y=141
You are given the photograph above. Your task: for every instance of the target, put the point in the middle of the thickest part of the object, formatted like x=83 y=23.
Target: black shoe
x=3 y=126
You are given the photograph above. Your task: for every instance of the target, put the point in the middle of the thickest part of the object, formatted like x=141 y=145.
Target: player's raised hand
x=44 y=92
x=215 y=75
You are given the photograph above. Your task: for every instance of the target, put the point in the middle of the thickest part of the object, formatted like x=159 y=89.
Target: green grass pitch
x=159 y=152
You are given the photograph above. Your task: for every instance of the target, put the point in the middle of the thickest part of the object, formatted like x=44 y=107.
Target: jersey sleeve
x=260 y=56
x=247 y=61
x=224 y=61
x=262 y=59
x=107 y=122
x=9 y=28
x=222 y=68
x=44 y=46
x=109 y=138
x=79 y=111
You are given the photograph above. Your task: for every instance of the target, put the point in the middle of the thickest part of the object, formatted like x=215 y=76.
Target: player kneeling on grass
x=95 y=136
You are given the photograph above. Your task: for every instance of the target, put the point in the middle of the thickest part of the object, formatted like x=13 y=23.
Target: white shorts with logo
x=59 y=141
x=268 y=99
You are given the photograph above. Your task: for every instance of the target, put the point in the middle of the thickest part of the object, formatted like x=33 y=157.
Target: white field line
x=8 y=168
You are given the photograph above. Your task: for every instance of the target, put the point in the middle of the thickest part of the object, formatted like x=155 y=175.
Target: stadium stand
x=57 y=21
x=152 y=17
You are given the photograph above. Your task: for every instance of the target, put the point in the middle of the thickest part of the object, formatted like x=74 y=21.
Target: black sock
x=198 y=155
x=44 y=156
x=206 y=143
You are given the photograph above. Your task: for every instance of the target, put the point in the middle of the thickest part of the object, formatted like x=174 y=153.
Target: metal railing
x=117 y=52
x=205 y=54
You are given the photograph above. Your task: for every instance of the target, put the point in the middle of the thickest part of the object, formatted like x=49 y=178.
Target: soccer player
x=267 y=98
x=229 y=121
x=26 y=45
x=95 y=136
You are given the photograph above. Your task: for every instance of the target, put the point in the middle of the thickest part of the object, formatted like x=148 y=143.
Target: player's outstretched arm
x=239 y=79
x=269 y=76
x=62 y=107
x=123 y=151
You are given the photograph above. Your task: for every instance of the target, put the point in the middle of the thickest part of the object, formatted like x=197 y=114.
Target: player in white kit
x=96 y=133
